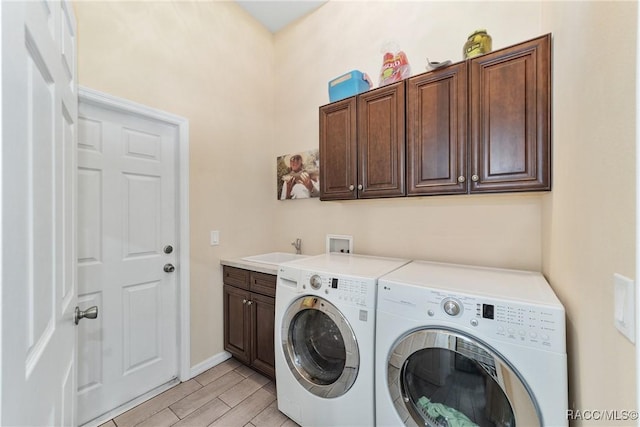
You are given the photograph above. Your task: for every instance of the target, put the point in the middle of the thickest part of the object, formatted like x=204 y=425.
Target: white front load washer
x=324 y=338
x=467 y=346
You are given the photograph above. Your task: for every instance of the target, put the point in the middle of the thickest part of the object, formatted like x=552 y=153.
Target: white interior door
x=127 y=210
x=39 y=112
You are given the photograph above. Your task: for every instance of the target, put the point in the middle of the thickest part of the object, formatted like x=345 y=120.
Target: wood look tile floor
x=229 y=394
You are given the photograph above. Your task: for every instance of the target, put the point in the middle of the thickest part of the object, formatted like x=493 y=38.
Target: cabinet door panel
x=237 y=323
x=510 y=118
x=338 y=153
x=263 y=311
x=381 y=142
x=437 y=132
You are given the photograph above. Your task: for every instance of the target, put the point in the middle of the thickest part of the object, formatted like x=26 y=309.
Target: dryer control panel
x=526 y=324
x=533 y=325
x=339 y=289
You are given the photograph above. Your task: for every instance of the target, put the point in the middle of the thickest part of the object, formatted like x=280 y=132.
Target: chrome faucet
x=298 y=245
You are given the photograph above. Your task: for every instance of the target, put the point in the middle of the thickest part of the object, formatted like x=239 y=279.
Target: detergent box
x=349 y=84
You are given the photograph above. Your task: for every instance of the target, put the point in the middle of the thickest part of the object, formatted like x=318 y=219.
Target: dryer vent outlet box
x=339 y=243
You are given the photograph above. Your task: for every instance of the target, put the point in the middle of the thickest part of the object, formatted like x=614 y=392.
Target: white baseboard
x=195 y=371
x=209 y=363
x=131 y=404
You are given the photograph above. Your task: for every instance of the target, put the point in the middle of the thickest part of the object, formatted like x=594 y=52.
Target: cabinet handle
x=244 y=301
x=461 y=179
x=475 y=178
x=249 y=302
x=351 y=187
x=360 y=187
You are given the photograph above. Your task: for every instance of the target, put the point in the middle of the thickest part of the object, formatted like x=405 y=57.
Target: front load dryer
x=324 y=338
x=463 y=345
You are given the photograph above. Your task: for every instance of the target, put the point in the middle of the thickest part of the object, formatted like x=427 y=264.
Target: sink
x=274 y=258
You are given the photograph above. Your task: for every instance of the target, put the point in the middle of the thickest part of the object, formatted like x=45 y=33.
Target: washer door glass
x=445 y=378
x=320 y=347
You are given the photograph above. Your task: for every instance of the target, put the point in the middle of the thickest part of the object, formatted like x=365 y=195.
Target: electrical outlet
x=215 y=238
x=624 y=298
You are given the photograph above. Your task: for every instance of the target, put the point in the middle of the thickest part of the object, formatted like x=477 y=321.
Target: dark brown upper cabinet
x=362 y=145
x=510 y=116
x=338 y=150
x=437 y=131
x=381 y=142
x=482 y=125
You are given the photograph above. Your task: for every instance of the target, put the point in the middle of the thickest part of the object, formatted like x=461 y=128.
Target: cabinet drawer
x=235 y=277
x=263 y=283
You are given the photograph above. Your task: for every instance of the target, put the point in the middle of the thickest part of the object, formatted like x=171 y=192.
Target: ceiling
x=275 y=15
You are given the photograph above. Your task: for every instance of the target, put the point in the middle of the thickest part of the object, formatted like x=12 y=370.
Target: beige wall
x=340 y=36
x=207 y=62
x=249 y=100
x=589 y=217
x=251 y=97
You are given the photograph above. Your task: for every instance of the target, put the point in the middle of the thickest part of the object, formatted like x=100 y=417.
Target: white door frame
x=103 y=100
x=637 y=219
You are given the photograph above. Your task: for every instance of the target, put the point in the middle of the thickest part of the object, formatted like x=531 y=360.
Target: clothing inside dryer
x=318 y=346
x=455 y=388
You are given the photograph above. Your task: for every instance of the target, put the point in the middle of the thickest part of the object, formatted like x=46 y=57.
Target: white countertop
x=253 y=266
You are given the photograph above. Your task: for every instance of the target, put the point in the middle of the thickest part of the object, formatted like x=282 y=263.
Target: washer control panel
x=340 y=289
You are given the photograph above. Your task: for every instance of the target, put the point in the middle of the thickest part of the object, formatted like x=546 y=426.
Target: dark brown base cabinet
x=481 y=125
x=249 y=318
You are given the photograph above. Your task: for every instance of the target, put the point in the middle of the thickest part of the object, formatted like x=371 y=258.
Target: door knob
x=89 y=313
x=168 y=268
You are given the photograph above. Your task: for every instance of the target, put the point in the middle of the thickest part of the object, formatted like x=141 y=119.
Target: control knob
x=315 y=281
x=451 y=307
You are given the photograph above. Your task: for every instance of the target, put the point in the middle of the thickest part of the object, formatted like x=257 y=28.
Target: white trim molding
x=104 y=100
x=637 y=219
x=102 y=419
x=209 y=363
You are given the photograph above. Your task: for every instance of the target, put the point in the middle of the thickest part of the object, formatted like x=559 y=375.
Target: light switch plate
x=215 y=238
x=624 y=299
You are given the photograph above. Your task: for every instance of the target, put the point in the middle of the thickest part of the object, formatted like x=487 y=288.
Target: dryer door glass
x=447 y=377
x=320 y=347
